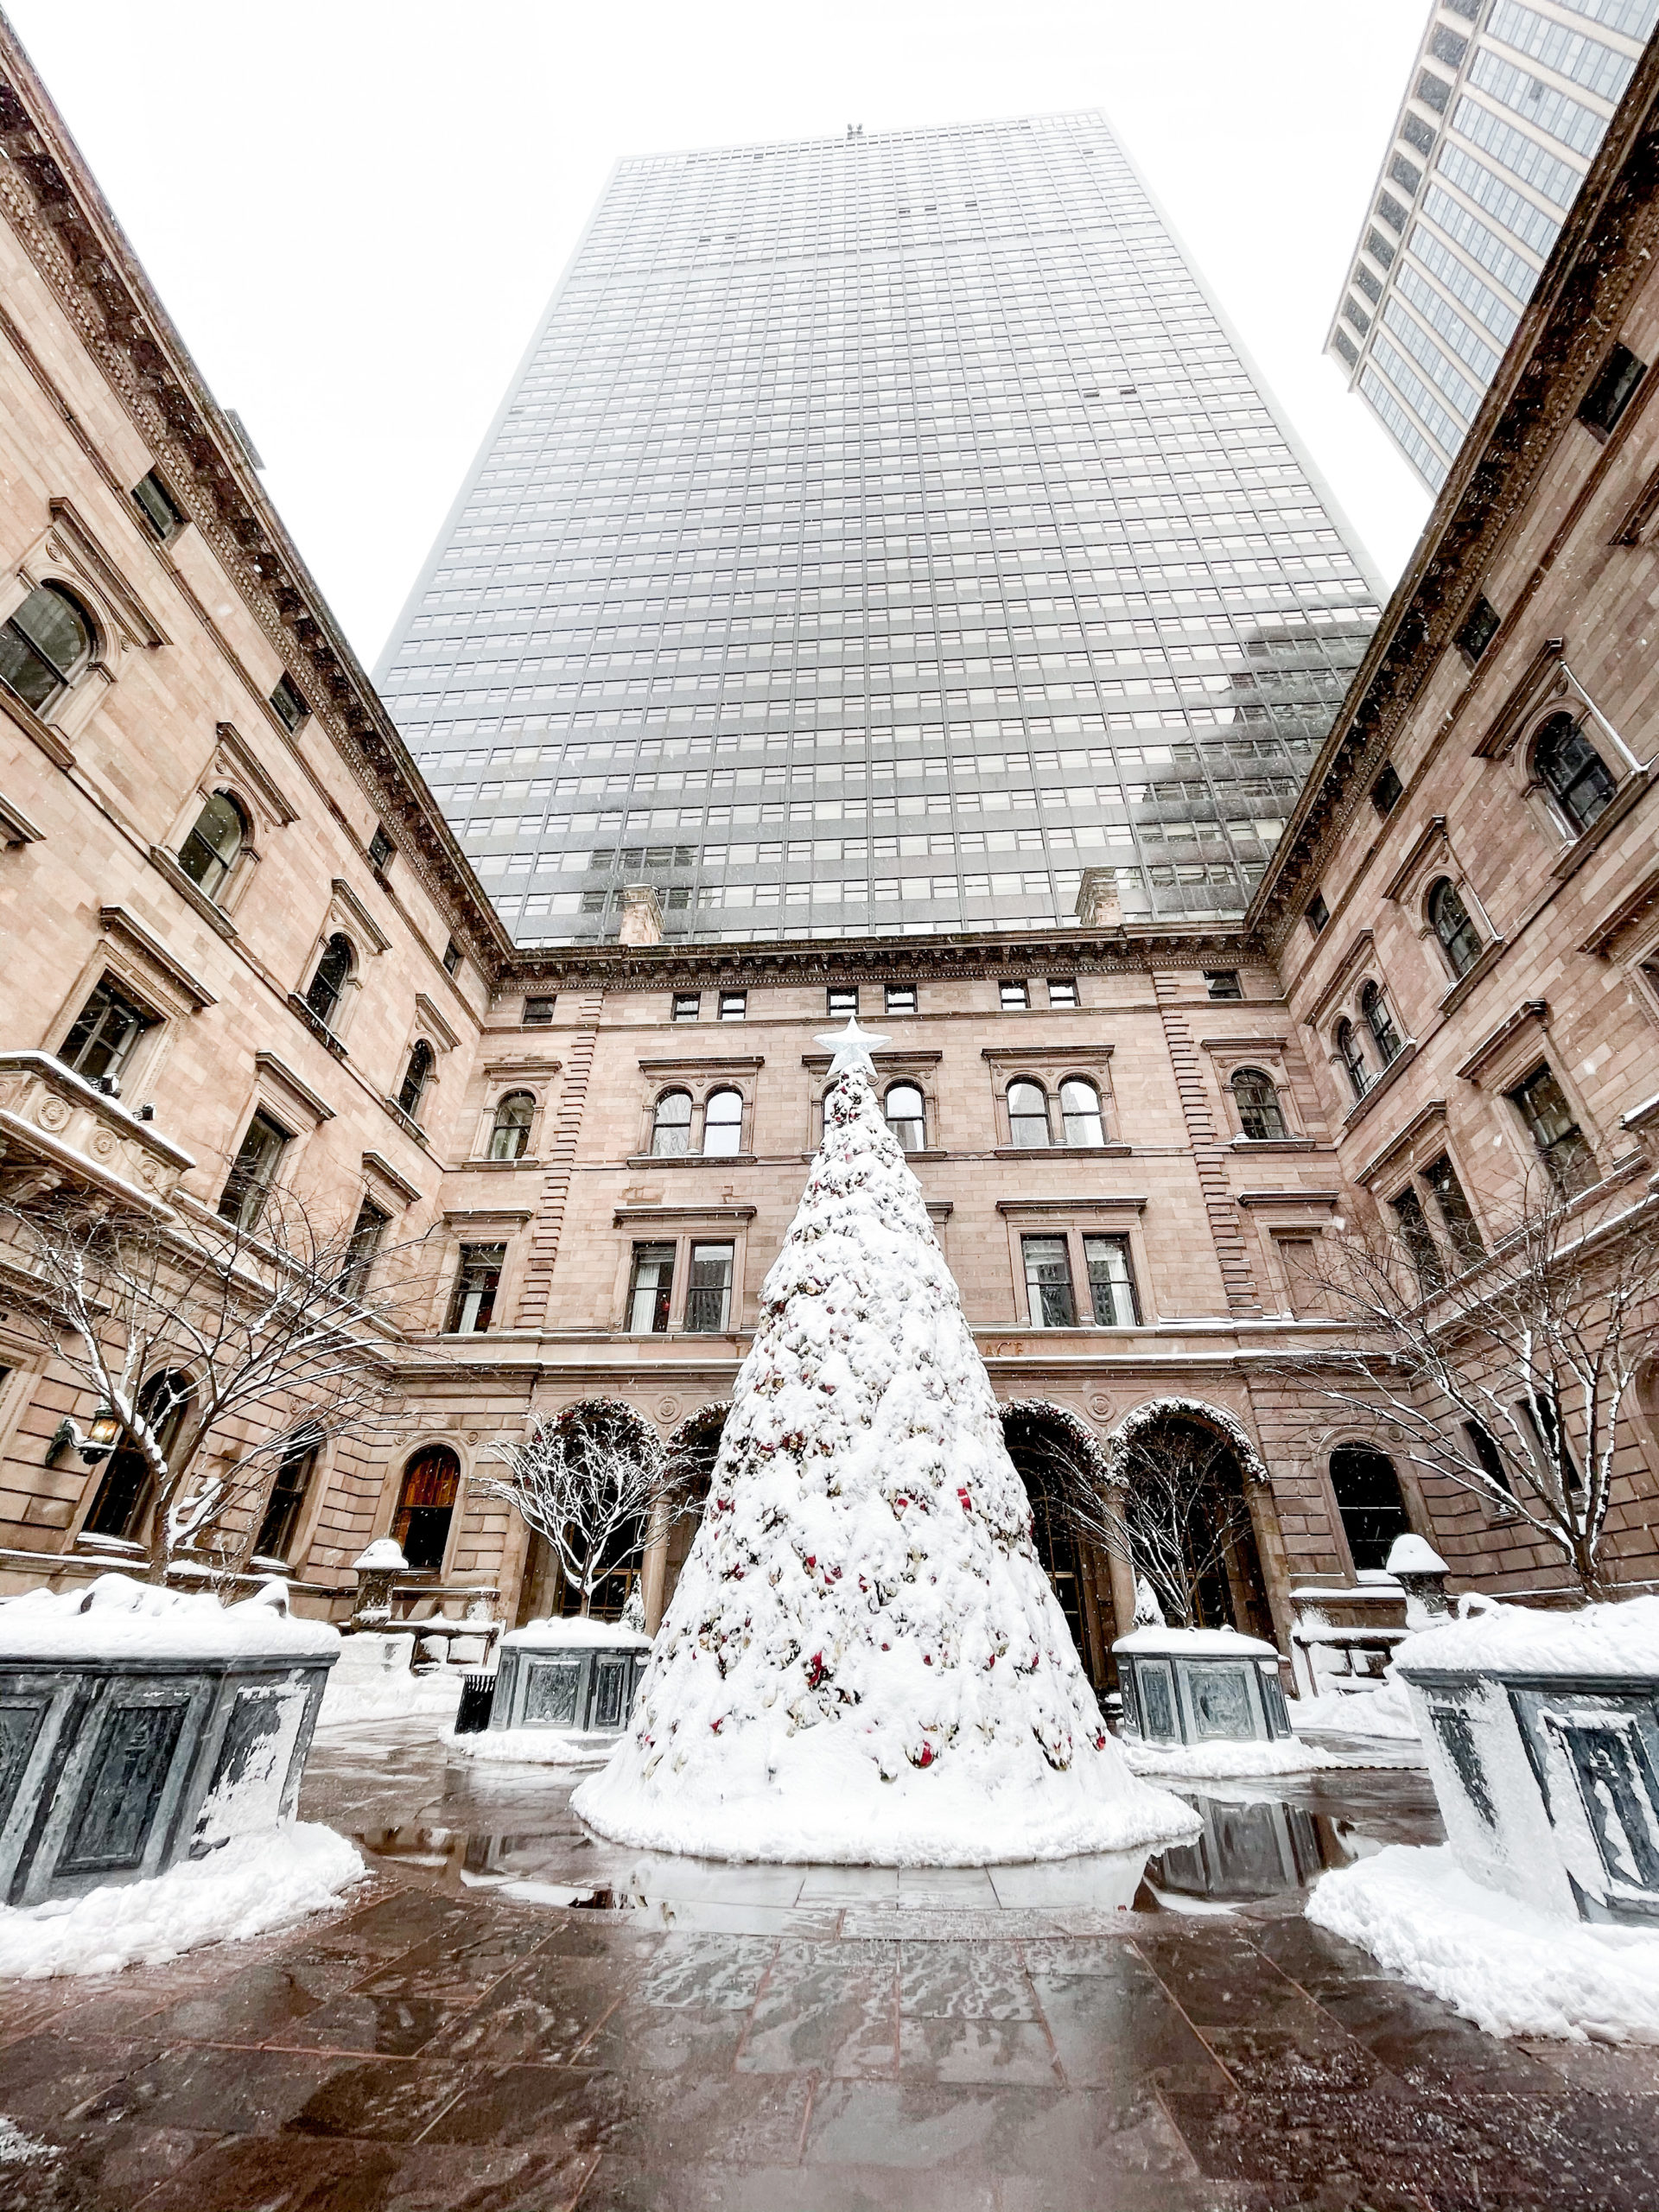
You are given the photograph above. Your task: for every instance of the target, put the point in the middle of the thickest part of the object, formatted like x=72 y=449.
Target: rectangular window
x=841 y=1002
x=537 y=1012
x=368 y=1232
x=1387 y=790
x=157 y=506
x=1412 y=1224
x=286 y=1504
x=1542 y=1106
x=1541 y=1418
x=105 y=1031
x=1379 y=248
x=1298 y=1256
x=1014 y=998
x=651 y=1286
x=381 y=847
x=1612 y=391
x=253 y=1171
x=451 y=958
x=1490 y=1460
x=1480 y=627
x=1222 y=984
x=688 y=1005
x=1048 y=1282
x=1317 y=913
x=1111 y=1282
x=901 y=998
x=477 y=1281
x=709 y=1295
x=1460 y=1225
x=291 y=709
x=734 y=1006
x=1062 y=991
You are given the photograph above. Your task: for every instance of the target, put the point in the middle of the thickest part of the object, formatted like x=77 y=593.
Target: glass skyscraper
x=1506 y=108
x=879 y=532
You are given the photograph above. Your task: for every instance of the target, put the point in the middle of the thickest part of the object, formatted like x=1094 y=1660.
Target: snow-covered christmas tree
x=863 y=1660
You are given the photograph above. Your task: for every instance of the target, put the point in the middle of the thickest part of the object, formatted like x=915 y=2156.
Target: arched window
x=1353 y=1058
x=1368 y=1499
x=416 y=1075
x=1576 y=775
x=908 y=1115
x=327 y=986
x=670 y=1127
x=122 y=1505
x=723 y=1124
x=510 y=1136
x=426 y=1506
x=44 y=646
x=1459 y=939
x=1259 y=1111
x=211 y=850
x=1080 y=1111
x=1380 y=1023
x=1027 y=1114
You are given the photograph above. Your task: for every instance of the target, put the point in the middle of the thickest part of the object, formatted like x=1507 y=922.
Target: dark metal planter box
x=1200 y=1685
x=112 y=1770
x=586 y=1688
x=1549 y=1784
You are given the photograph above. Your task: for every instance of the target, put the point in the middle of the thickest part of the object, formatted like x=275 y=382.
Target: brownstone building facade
x=243 y=942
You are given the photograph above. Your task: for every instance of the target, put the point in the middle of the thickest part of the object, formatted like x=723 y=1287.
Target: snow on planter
x=863 y=1661
x=141 y=1727
x=564 y=1692
x=1189 y=1686
x=1541 y=1731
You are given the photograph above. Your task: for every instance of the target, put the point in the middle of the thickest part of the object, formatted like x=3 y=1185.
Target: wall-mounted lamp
x=103 y=1435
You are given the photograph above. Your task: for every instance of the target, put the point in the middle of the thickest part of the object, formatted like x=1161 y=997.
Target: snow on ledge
x=253 y=1885
x=116 y=1617
x=1622 y=1638
x=1384 y=1712
x=1510 y=1970
x=552 y=1635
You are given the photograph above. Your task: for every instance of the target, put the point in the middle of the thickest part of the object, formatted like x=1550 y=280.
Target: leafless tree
x=1174 y=1510
x=591 y=1485
x=1505 y=1373
x=215 y=1346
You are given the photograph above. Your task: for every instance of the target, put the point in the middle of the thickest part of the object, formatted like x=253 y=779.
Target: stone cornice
x=1604 y=250
x=68 y=232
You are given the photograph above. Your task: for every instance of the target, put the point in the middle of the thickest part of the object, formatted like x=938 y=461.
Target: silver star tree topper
x=852 y=1047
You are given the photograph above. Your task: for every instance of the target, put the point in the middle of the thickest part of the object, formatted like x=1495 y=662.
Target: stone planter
x=1195 y=1685
x=1541 y=1731
x=139 y=1727
x=576 y=1675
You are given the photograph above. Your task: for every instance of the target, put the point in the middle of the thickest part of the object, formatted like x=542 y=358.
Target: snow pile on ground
x=863 y=1660
x=391 y=1696
x=116 y=1617
x=532 y=1747
x=1613 y=1639
x=1384 y=1711
x=17 y=2149
x=1230 y=1757
x=250 y=1886
x=1512 y=1970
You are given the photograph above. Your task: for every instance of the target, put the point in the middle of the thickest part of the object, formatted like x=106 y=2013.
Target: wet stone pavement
x=509 y=2017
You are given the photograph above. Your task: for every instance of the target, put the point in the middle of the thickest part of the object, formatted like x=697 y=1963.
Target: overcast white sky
x=356 y=210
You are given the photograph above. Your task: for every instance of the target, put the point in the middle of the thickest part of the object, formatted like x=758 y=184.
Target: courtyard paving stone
x=689 y=2036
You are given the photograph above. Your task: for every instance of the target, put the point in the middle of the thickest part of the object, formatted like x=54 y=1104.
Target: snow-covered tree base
x=825 y=1804
x=863 y=1661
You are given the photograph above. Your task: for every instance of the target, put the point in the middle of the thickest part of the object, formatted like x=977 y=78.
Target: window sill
x=1061 y=1152
x=406 y=1123
x=1385 y=1082
x=1465 y=983
x=498 y=1167
x=1279 y=1144
x=319 y=1029
x=215 y=917
x=1626 y=796
x=31 y=723
x=690 y=1159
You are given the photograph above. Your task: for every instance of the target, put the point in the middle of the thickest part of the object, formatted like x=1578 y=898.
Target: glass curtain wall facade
x=1506 y=106
x=879 y=532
